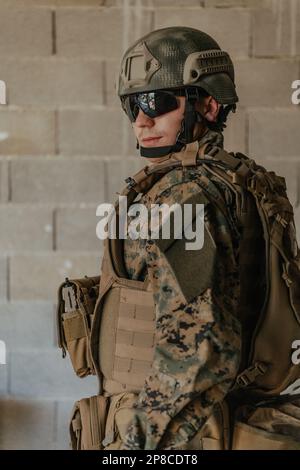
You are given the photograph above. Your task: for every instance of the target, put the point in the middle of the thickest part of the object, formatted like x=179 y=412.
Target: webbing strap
x=74 y=326
x=232 y=162
x=138 y=177
x=113 y=387
x=129 y=380
x=189 y=156
x=135 y=366
x=134 y=352
x=76 y=423
x=238 y=169
x=133 y=324
x=136 y=297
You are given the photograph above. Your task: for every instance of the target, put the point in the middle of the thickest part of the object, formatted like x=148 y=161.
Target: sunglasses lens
x=153 y=104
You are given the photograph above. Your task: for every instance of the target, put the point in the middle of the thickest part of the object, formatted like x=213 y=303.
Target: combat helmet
x=185 y=61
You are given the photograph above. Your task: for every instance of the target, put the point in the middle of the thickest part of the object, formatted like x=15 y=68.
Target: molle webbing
x=126 y=358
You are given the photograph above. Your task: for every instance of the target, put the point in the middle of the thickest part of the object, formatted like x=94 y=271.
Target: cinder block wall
x=65 y=147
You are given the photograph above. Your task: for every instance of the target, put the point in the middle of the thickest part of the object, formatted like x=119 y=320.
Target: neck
x=209 y=136
x=154 y=161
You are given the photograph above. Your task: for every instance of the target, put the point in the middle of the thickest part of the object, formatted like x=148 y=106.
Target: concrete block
x=82 y=3
x=53 y=180
x=229 y=27
x=117 y=171
x=27 y=325
x=4 y=181
x=274 y=132
x=235 y=132
x=25 y=228
x=276 y=30
x=63 y=416
x=297 y=222
x=56 y=3
x=90 y=132
x=290 y=170
x=4 y=379
x=45 y=374
x=111 y=98
x=170 y=3
x=25 y=32
x=27 y=131
x=234 y=3
x=3 y=278
x=137 y=22
x=53 y=82
x=256 y=85
x=93 y=32
x=47 y=272
x=157 y=4
x=26 y=424
x=76 y=229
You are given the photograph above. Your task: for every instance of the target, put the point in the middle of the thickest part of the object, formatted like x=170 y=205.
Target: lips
x=150 y=140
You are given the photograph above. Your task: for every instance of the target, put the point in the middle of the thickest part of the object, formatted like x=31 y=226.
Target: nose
x=143 y=120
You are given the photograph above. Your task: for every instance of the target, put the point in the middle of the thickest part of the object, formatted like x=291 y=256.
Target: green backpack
x=271 y=363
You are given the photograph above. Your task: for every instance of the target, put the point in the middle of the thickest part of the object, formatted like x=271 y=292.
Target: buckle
x=249 y=375
x=281 y=220
x=242 y=380
x=255 y=186
x=130 y=182
x=69 y=298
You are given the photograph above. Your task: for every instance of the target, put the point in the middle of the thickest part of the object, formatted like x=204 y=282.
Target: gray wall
x=65 y=147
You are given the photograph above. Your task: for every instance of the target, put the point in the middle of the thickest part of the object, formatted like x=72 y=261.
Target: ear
x=209 y=108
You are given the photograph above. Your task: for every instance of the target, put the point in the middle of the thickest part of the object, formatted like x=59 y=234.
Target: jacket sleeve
x=197 y=349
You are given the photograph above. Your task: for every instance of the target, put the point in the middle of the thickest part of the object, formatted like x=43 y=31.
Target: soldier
x=173 y=327
x=172 y=102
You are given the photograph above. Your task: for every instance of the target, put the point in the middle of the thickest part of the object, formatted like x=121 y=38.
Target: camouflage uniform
x=205 y=310
x=198 y=339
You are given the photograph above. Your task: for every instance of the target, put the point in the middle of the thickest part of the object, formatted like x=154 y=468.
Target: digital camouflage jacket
x=198 y=334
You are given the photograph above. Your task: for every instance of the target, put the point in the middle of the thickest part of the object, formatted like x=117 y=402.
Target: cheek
x=174 y=127
x=170 y=125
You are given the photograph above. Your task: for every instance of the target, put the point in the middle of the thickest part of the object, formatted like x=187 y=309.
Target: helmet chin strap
x=184 y=136
x=155 y=152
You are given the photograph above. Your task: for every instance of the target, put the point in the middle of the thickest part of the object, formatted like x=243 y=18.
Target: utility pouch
x=273 y=427
x=87 y=426
x=76 y=303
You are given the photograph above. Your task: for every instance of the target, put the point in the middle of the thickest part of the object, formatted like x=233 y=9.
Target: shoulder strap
x=225 y=164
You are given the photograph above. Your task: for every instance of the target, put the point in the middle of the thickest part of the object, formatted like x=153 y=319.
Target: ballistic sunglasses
x=152 y=103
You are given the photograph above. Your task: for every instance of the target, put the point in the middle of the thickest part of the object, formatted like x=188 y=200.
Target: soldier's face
x=160 y=131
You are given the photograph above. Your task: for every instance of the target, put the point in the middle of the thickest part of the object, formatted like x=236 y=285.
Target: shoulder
x=179 y=185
